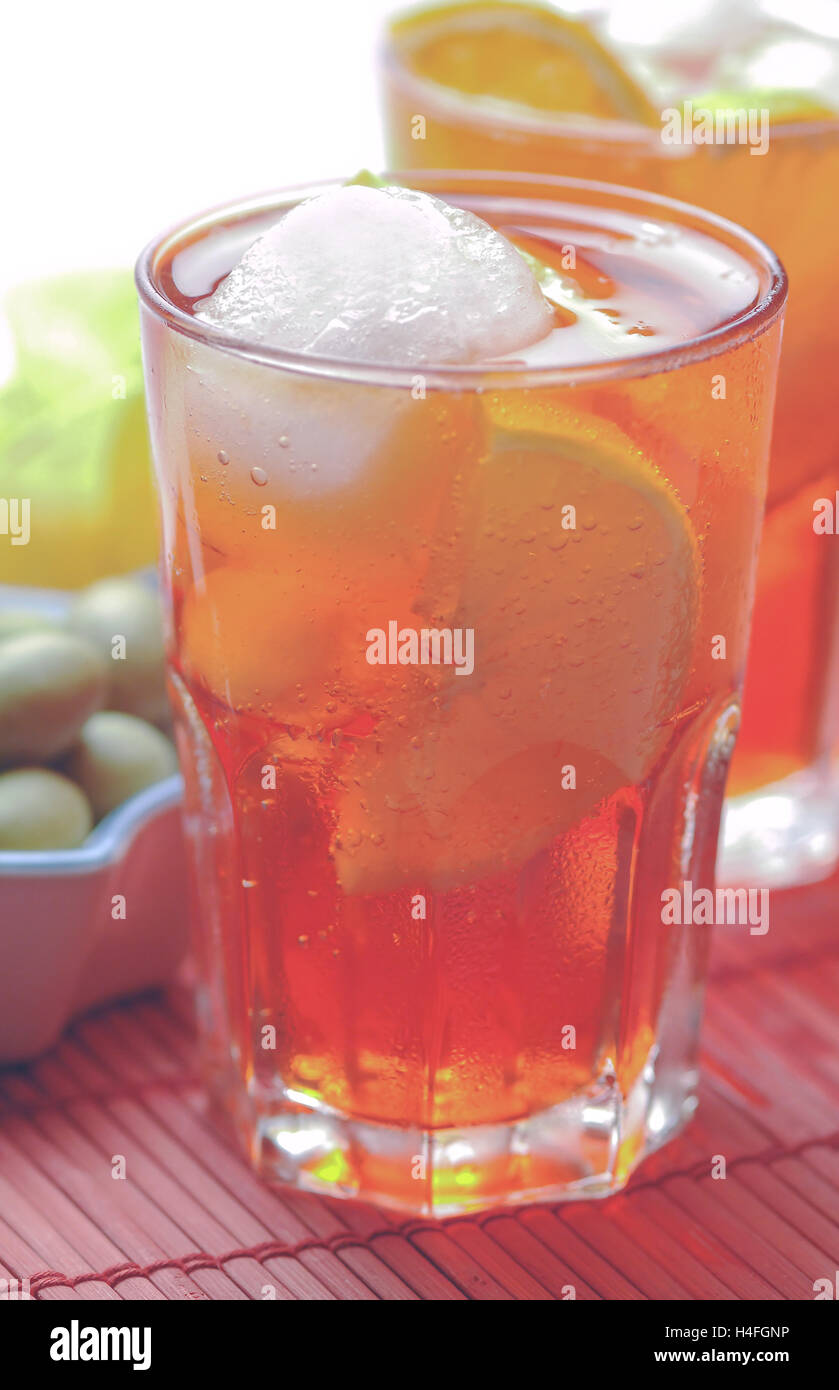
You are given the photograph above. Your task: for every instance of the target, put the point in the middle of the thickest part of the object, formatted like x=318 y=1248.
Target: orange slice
x=583 y=641
x=291 y=646
x=520 y=54
x=583 y=583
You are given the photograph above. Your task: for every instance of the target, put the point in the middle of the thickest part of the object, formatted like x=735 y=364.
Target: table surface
x=190 y=1220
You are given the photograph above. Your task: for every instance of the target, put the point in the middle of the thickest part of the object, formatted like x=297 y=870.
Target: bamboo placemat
x=190 y=1221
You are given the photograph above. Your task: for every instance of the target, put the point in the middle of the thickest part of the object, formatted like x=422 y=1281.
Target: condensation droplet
x=259 y=476
x=223 y=456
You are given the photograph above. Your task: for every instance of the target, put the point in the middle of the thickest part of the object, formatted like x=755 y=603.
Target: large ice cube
x=382 y=275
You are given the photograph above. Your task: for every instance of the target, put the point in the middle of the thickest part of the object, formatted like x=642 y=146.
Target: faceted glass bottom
x=585 y=1147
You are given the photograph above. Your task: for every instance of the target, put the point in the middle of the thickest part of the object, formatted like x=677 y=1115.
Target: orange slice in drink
x=291 y=646
x=470 y=796
x=583 y=582
x=582 y=592
x=524 y=55
x=264 y=644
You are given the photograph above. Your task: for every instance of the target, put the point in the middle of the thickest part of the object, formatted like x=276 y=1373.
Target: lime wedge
x=365 y=178
x=785 y=107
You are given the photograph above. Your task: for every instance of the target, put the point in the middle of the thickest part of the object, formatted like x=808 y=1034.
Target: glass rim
x=748 y=324
x=634 y=137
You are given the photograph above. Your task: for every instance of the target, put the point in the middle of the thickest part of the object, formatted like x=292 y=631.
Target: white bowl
x=62 y=949
x=64 y=944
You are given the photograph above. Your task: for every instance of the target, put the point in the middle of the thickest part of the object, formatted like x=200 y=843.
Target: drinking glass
x=435 y=965
x=782 y=819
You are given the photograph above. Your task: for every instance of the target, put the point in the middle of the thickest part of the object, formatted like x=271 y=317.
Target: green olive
x=40 y=809
x=50 y=683
x=116 y=756
x=123 y=619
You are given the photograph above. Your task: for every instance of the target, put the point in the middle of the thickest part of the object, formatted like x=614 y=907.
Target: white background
x=118 y=120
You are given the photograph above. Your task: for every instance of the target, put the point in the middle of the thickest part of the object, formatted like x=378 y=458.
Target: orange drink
x=524 y=87
x=459 y=618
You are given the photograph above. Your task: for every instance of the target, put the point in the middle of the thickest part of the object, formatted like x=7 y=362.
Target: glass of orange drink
x=737 y=110
x=459 y=545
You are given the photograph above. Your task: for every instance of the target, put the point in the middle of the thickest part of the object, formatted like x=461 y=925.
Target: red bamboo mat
x=190 y=1221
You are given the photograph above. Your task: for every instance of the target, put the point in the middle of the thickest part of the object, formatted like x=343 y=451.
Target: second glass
x=782 y=822
x=436 y=969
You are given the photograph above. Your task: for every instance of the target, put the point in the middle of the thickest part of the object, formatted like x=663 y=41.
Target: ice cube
x=385 y=275
x=244 y=436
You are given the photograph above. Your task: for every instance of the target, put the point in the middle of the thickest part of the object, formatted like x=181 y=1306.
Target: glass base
x=584 y=1147
x=782 y=835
